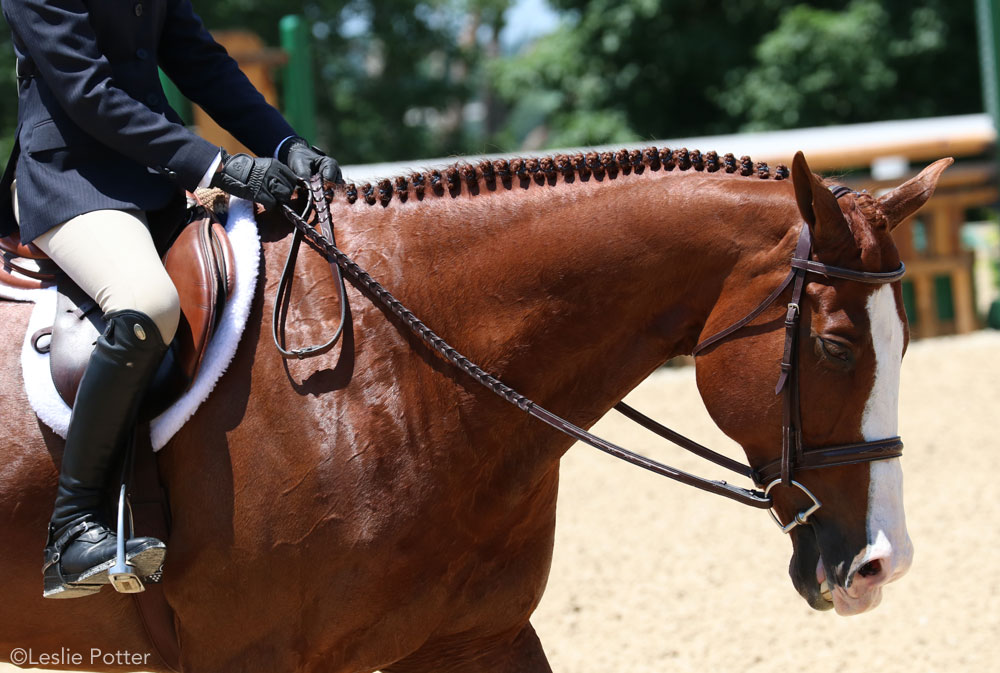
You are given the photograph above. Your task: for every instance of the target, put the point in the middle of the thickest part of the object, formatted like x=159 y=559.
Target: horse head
x=850 y=343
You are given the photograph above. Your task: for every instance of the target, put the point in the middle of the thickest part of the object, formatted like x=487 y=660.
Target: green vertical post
x=988 y=21
x=175 y=98
x=299 y=96
x=910 y=303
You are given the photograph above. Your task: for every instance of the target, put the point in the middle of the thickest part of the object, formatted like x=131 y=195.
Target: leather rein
x=794 y=456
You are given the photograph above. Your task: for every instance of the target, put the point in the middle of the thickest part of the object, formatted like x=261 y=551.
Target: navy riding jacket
x=94 y=127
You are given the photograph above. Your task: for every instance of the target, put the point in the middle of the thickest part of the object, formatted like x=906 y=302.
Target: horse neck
x=571 y=293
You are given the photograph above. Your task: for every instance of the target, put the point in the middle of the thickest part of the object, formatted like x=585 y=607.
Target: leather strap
x=73 y=532
x=46 y=270
x=873 y=277
x=847 y=454
x=788 y=379
x=726 y=490
x=740 y=324
x=680 y=440
x=151 y=506
x=37 y=336
x=283 y=293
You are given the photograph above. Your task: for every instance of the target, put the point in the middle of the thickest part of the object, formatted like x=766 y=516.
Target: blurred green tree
x=394 y=77
x=869 y=61
x=624 y=70
x=400 y=79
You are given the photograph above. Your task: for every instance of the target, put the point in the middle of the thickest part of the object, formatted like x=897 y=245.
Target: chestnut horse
x=377 y=510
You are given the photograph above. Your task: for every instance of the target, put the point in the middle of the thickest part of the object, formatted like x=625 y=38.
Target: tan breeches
x=111 y=256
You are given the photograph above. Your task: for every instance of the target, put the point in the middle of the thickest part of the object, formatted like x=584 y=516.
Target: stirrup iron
x=121 y=575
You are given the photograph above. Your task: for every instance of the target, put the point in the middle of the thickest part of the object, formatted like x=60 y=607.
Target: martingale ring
x=802 y=517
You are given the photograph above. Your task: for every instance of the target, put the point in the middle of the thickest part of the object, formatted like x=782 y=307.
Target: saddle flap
x=77 y=324
x=225 y=253
x=200 y=263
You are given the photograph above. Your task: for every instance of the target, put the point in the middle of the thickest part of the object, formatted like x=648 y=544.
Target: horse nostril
x=870 y=569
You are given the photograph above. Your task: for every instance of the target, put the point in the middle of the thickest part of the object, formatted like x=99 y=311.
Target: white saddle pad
x=51 y=409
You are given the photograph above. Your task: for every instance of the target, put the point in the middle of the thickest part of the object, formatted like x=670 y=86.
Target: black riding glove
x=266 y=181
x=306 y=161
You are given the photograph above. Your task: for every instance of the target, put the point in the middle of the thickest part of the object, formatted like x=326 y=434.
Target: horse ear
x=818 y=206
x=907 y=199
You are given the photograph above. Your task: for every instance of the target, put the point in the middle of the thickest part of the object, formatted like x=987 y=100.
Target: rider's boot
x=81 y=548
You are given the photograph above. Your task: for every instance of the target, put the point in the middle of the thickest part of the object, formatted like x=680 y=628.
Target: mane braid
x=503 y=174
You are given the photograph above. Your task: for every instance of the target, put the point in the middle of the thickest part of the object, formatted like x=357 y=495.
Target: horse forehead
x=842 y=304
x=863 y=309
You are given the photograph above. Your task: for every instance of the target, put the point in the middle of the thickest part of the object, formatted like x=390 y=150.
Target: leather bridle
x=794 y=456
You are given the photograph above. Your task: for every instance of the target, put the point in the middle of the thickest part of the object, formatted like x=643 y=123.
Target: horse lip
x=846 y=605
x=843 y=599
x=824 y=596
x=802 y=571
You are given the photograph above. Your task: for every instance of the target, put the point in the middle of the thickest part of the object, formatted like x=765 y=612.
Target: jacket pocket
x=48 y=135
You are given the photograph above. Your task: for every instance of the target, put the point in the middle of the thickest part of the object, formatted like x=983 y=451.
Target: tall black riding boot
x=81 y=548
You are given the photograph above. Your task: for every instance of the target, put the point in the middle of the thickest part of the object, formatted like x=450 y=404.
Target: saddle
x=200 y=262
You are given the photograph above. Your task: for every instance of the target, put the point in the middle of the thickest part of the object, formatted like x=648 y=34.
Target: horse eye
x=834 y=351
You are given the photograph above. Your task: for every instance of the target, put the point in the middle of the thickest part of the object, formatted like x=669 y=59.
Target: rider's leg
x=111 y=256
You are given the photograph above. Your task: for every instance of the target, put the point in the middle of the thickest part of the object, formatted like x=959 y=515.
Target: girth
x=793 y=455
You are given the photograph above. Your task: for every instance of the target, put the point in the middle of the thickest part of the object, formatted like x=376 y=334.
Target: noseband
x=794 y=456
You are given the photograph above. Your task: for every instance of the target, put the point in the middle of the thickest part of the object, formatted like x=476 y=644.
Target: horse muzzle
x=824 y=583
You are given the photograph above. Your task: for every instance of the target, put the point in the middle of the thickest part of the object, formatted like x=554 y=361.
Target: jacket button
x=153 y=99
x=141 y=54
x=138 y=9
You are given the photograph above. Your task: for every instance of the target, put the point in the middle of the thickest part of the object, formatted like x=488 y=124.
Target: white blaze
x=886 y=524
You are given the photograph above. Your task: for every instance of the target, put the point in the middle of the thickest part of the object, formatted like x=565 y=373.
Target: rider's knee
x=159 y=300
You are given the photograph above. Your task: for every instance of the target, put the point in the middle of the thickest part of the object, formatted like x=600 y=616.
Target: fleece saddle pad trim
x=242 y=229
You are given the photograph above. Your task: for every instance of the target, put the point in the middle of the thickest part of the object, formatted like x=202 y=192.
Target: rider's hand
x=266 y=181
x=306 y=161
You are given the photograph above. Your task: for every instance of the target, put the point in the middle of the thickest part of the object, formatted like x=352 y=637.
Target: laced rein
x=317 y=202
x=793 y=454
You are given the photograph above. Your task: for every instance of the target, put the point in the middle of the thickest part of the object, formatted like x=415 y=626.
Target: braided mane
x=486 y=174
